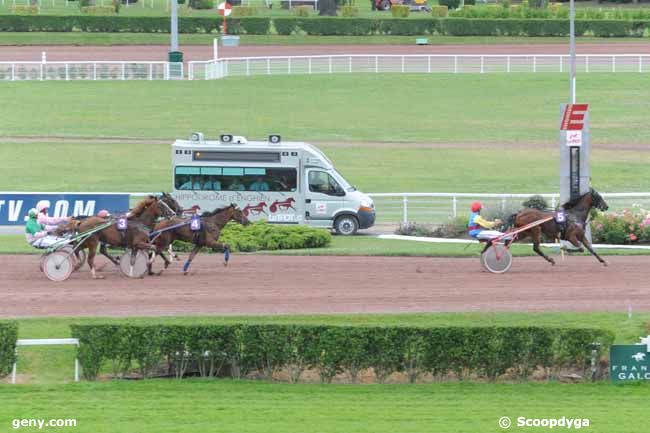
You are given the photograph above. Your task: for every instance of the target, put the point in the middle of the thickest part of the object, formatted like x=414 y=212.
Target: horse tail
x=512 y=219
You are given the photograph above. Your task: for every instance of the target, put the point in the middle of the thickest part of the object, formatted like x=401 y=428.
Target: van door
x=323 y=197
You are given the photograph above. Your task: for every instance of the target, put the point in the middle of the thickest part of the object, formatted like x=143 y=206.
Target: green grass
x=195 y=405
x=147 y=167
x=437 y=108
x=83 y=38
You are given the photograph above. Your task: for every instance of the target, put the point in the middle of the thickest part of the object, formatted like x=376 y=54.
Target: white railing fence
x=99 y=70
x=438 y=208
x=322 y=64
x=415 y=63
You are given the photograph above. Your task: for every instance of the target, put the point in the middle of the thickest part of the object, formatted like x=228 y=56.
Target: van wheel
x=346 y=225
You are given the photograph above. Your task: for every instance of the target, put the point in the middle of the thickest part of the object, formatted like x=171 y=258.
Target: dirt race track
x=256 y=284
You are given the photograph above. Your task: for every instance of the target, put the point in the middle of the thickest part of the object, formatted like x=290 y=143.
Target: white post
x=94 y=71
x=405 y=203
x=288 y=65
x=402 y=64
x=330 y=64
x=268 y=66
x=67 y=77
x=454 y=202
x=43 y=61
x=123 y=71
x=13 y=72
x=503 y=203
x=534 y=63
x=13 y=370
x=215 y=49
x=455 y=64
x=76 y=361
x=640 y=65
x=310 y=65
x=482 y=64
x=613 y=63
x=248 y=67
x=561 y=64
x=587 y=63
x=350 y=64
x=150 y=71
x=553 y=202
x=376 y=64
x=429 y=64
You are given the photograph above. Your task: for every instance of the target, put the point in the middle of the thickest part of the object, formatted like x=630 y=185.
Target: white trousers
x=46 y=241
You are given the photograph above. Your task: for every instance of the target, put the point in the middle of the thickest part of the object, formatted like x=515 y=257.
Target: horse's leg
x=582 y=239
x=217 y=246
x=536 y=235
x=104 y=252
x=92 y=251
x=194 y=252
x=172 y=254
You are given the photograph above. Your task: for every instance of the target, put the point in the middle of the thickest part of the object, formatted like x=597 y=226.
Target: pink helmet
x=103 y=213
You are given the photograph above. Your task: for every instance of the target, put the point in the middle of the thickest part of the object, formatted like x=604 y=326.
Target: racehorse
x=135 y=236
x=205 y=235
x=576 y=213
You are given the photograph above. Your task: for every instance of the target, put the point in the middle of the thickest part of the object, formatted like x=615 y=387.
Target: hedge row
x=328 y=25
x=240 y=349
x=8 y=337
x=263 y=236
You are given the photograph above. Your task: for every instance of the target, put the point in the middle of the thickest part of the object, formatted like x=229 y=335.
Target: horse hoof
x=552 y=262
x=605 y=264
x=225 y=264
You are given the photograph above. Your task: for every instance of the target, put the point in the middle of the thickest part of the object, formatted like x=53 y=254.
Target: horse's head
x=597 y=200
x=173 y=207
x=238 y=215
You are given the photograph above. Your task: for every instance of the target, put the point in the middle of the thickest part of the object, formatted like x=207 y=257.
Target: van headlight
x=366 y=205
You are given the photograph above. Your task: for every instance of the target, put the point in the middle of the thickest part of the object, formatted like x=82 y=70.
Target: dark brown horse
x=211 y=224
x=136 y=236
x=573 y=229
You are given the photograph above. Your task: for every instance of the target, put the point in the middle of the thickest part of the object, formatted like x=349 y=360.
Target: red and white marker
x=225 y=9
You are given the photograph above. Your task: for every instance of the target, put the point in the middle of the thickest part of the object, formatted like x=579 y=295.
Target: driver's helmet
x=33 y=213
x=477 y=206
x=42 y=206
x=103 y=213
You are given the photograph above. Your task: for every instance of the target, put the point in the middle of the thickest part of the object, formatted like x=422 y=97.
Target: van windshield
x=344 y=183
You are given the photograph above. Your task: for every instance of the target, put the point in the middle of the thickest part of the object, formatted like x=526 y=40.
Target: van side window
x=260 y=179
x=324 y=183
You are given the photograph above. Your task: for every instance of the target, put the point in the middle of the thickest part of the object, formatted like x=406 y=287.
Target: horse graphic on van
x=282 y=205
x=255 y=210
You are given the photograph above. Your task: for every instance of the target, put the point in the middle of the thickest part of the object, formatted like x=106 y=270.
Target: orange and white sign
x=225 y=9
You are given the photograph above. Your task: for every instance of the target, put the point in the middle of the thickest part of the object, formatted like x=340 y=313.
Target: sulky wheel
x=58 y=266
x=497 y=259
x=139 y=267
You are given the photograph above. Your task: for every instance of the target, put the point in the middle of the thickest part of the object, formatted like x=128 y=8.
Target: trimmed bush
x=98 y=10
x=409 y=27
x=263 y=236
x=285 y=26
x=201 y=4
x=484 y=352
x=302 y=11
x=8 y=337
x=349 y=11
x=244 y=11
x=347 y=26
x=400 y=11
x=25 y=9
x=536 y=202
x=329 y=26
x=621 y=228
x=439 y=11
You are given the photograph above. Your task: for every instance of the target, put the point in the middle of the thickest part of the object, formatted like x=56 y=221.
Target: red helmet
x=477 y=206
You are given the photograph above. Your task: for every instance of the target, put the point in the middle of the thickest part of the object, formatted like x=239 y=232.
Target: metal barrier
x=415 y=63
x=100 y=70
